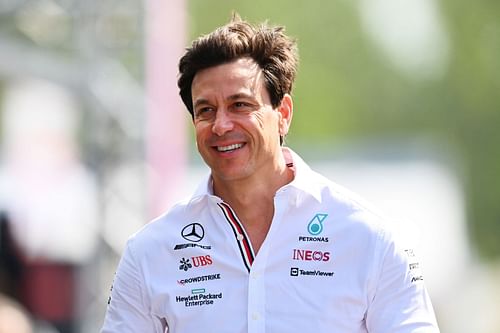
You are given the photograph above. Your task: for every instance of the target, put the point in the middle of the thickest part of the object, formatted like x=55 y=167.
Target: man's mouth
x=230 y=147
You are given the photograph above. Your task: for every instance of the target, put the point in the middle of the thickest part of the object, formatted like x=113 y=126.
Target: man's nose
x=222 y=123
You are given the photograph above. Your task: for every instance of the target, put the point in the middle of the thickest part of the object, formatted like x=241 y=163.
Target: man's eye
x=202 y=111
x=240 y=105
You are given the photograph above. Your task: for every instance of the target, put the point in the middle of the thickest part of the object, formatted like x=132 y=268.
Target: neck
x=247 y=192
x=252 y=199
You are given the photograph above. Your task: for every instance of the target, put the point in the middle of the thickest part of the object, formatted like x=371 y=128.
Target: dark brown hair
x=274 y=52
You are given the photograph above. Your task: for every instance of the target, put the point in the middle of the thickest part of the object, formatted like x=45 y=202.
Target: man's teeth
x=230 y=147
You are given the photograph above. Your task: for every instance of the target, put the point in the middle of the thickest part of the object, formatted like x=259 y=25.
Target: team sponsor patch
x=198 y=261
x=295 y=271
x=198 y=297
x=196 y=279
x=193 y=232
x=184 y=246
x=310 y=255
x=417 y=278
x=313 y=239
x=315 y=228
x=410 y=253
x=415 y=272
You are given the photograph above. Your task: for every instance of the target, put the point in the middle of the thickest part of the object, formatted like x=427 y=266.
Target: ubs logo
x=198 y=261
x=193 y=232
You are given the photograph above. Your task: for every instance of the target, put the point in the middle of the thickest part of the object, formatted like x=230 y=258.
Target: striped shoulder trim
x=239 y=233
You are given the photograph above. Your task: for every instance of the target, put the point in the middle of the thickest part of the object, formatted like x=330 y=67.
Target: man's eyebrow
x=240 y=95
x=200 y=101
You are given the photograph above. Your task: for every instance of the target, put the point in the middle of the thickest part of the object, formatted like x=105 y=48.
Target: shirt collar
x=305 y=180
x=204 y=190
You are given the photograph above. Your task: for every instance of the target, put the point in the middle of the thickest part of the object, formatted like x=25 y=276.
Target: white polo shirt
x=328 y=264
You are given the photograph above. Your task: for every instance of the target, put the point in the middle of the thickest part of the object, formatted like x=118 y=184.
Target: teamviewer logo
x=294 y=271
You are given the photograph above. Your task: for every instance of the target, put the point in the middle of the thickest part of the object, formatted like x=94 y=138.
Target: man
x=265 y=244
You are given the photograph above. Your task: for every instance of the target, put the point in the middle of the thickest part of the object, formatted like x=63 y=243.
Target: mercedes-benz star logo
x=193 y=232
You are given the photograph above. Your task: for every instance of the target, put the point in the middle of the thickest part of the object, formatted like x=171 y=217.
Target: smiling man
x=265 y=244
x=237 y=134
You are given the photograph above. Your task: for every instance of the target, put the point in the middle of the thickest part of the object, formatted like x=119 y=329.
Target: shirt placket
x=257 y=292
x=256 y=297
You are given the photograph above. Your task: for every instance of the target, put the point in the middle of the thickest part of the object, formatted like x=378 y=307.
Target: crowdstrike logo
x=197 y=279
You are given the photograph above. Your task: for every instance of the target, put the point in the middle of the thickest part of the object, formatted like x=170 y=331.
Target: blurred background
x=396 y=99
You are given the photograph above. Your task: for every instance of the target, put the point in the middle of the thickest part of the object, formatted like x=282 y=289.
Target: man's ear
x=286 y=112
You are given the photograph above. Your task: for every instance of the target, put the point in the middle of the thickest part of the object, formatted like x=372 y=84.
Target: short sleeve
x=128 y=309
x=400 y=302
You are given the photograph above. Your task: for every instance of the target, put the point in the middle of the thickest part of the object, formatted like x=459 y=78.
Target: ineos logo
x=309 y=255
x=193 y=232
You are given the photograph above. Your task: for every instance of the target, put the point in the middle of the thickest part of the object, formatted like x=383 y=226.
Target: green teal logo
x=197 y=291
x=315 y=227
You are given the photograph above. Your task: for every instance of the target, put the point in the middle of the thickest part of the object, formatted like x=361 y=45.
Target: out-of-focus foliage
x=348 y=89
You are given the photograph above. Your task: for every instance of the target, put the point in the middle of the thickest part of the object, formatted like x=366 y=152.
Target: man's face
x=237 y=130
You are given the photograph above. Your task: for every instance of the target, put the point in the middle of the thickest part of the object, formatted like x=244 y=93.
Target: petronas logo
x=315 y=227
